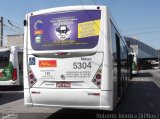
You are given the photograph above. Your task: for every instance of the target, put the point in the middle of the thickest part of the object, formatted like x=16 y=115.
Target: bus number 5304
x=81 y=65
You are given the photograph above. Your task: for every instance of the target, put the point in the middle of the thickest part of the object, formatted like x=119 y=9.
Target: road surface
x=142 y=100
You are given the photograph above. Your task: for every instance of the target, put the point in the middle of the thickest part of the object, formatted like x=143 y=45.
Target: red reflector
x=96 y=94
x=14 y=74
x=98 y=76
x=31 y=76
x=34 y=92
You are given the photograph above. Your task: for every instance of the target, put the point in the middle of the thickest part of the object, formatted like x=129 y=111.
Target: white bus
x=11 y=66
x=74 y=57
x=135 y=68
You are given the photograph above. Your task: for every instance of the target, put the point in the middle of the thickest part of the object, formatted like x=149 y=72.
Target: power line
x=17 y=24
x=143 y=33
x=81 y=2
x=11 y=29
x=7 y=29
x=144 y=28
x=14 y=25
x=94 y=1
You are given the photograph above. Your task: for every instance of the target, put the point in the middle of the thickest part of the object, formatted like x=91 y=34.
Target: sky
x=139 y=19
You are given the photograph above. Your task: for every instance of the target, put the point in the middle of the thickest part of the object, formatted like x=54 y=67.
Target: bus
x=11 y=66
x=155 y=65
x=74 y=57
x=135 y=67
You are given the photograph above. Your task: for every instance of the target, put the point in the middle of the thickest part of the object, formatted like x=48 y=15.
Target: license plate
x=63 y=84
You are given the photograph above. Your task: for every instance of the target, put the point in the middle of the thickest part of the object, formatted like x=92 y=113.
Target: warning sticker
x=88 y=29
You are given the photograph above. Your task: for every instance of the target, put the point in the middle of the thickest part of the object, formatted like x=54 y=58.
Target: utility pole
x=1 y=32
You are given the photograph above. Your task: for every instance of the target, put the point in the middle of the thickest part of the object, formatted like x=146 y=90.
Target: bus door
x=118 y=66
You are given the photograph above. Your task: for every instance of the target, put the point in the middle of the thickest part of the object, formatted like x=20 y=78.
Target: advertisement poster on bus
x=65 y=30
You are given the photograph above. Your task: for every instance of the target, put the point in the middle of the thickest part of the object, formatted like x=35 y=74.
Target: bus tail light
x=32 y=79
x=97 y=78
x=14 y=74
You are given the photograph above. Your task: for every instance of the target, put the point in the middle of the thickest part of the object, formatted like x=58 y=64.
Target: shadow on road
x=8 y=94
x=11 y=88
x=141 y=97
x=77 y=114
x=10 y=97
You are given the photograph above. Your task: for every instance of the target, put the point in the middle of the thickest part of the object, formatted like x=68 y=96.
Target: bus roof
x=67 y=8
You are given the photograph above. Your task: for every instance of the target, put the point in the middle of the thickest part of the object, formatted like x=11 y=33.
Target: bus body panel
x=80 y=98
x=77 y=71
x=27 y=98
x=65 y=97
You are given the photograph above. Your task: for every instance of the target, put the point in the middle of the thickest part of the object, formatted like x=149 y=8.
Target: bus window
x=4 y=59
x=64 y=31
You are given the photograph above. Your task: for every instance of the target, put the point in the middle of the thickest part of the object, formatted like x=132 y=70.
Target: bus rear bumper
x=74 y=107
x=68 y=98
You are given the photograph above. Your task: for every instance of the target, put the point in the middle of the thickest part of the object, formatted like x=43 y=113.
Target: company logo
x=38 y=25
x=47 y=63
x=38 y=39
x=38 y=32
x=63 y=32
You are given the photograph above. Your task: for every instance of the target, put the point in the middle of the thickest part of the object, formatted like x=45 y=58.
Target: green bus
x=11 y=66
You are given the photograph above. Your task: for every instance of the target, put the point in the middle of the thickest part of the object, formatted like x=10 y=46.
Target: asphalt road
x=142 y=100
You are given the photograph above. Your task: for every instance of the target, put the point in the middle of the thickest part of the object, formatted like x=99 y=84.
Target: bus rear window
x=64 y=31
x=4 y=59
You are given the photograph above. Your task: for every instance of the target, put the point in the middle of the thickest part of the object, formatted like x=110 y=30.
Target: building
x=145 y=53
x=12 y=40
